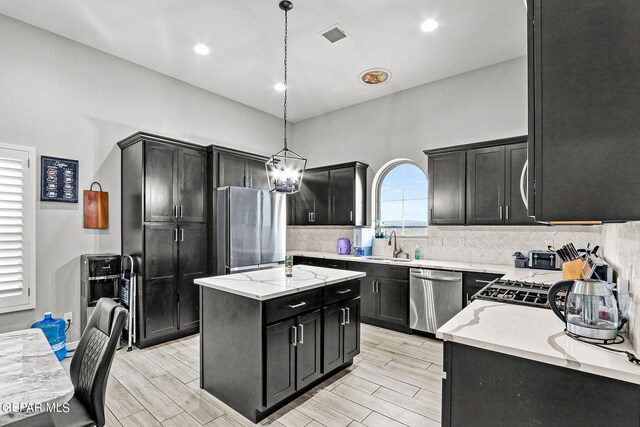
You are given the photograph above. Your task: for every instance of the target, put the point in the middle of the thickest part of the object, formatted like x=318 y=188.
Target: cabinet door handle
x=182 y=234
x=301 y=333
x=175 y=237
x=295 y=336
x=373 y=286
x=506 y=212
x=250 y=181
x=500 y=211
x=180 y=211
x=342 y=313
x=348 y=314
x=350 y=215
x=344 y=291
x=175 y=211
x=300 y=304
x=377 y=286
x=468 y=298
x=309 y=216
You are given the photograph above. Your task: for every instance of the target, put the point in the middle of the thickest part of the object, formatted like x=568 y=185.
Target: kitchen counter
x=508 y=272
x=271 y=283
x=535 y=334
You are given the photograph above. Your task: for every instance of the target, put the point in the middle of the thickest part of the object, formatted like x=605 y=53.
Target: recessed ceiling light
x=375 y=76
x=429 y=25
x=280 y=87
x=201 y=49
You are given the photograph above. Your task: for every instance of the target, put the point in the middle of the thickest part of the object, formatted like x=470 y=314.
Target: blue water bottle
x=54 y=330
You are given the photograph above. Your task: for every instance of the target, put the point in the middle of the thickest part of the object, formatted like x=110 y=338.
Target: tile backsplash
x=621 y=248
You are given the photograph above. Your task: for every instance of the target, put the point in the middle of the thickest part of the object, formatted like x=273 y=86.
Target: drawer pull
x=300 y=304
x=344 y=291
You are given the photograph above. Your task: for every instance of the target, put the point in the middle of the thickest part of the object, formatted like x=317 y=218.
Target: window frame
x=379 y=179
x=29 y=232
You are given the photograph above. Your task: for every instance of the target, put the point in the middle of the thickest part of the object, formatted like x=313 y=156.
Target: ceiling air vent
x=334 y=33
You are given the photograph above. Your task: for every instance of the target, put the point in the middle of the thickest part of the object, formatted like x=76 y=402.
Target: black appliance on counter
x=99 y=278
x=544 y=260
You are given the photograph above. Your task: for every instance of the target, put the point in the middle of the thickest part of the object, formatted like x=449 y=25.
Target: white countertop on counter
x=509 y=272
x=272 y=283
x=536 y=334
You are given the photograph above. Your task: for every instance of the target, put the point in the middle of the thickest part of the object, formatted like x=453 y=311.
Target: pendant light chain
x=286 y=36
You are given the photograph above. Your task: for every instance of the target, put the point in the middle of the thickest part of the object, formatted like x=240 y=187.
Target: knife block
x=575 y=269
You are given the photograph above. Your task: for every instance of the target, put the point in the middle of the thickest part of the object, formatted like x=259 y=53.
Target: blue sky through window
x=403 y=197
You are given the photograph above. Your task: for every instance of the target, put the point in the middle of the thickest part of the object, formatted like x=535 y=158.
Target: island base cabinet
x=259 y=355
x=530 y=392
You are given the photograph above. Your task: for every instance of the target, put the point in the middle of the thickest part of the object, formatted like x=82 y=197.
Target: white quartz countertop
x=30 y=374
x=272 y=283
x=509 y=272
x=536 y=334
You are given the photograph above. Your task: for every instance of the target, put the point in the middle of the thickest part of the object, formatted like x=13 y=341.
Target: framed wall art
x=59 y=180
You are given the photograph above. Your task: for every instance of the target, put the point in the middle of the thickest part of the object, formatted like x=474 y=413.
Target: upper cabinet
x=331 y=195
x=242 y=170
x=447 y=188
x=478 y=184
x=174 y=179
x=584 y=100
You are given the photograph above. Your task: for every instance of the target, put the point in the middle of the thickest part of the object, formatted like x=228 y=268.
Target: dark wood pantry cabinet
x=584 y=102
x=164 y=227
x=331 y=195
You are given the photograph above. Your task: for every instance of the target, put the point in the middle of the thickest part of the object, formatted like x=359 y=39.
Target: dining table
x=32 y=380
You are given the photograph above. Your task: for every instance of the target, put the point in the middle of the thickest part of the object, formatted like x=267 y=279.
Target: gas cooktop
x=516 y=292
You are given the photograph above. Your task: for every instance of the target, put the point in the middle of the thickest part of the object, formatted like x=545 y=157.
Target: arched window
x=401 y=197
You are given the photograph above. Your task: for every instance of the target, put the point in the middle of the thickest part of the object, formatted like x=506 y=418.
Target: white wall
x=483 y=104
x=69 y=100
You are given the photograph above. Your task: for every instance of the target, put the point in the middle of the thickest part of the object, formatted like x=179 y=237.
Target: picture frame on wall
x=58 y=180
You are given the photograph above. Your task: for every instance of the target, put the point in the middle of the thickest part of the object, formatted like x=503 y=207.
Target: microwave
x=544 y=260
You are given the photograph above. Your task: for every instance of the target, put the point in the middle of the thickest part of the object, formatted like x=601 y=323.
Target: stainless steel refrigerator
x=251 y=227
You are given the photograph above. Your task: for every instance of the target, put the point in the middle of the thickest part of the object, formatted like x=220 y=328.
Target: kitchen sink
x=386 y=258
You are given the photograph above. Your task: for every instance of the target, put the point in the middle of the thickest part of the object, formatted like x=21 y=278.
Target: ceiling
x=246 y=42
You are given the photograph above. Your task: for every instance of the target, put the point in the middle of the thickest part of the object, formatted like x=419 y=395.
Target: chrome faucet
x=396 y=249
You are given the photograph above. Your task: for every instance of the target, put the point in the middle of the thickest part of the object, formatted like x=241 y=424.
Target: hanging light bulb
x=285 y=168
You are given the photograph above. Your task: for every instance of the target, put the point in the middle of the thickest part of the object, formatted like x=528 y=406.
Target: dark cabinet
x=331 y=195
x=341 y=329
x=308 y=349
x=447 y=188
x=164 y=213
x=280 y=357
x=478 y=184
x=320 y=262
x=472 y=283
x=584 y=100
x=175 y=182
x=237 y=170
x=192 y=264
x=384 y=295
x=515 y=208
x=485 y=185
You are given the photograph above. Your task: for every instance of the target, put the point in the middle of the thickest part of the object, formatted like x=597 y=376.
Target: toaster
x=544 y=260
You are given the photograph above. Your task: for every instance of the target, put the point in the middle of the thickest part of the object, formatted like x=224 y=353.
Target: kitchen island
x=266 y=339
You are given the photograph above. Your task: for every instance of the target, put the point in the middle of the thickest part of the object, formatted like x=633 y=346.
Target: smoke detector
x=334 y=33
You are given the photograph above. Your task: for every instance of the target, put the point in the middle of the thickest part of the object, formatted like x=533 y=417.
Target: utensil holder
x=574 y=269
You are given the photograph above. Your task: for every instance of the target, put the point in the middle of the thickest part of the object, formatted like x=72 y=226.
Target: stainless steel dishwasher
x=435 y=297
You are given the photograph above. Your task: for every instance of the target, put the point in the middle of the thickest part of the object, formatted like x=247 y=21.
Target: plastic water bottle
x=288 y=266
x=54 y=330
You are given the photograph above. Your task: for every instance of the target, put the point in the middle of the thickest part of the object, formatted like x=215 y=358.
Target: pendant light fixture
x=285 y=168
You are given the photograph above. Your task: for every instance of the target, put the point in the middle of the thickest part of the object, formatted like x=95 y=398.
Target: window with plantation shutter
x=17 y=245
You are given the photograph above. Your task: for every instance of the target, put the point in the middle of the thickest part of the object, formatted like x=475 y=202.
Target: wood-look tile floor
x=395 y=381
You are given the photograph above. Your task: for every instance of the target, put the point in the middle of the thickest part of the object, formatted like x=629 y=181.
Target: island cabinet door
x=352 y=329
x=308 y=349
x=281 y=364
x=332 y=337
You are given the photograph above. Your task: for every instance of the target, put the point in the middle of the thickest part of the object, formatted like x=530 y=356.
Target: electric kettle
x=590 y=309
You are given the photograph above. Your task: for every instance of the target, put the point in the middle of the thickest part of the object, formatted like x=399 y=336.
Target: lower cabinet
x=293 y=355
x=341 y=334
x=472 y=283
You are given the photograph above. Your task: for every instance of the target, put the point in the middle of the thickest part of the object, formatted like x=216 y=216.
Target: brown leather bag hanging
x=96 y=208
